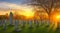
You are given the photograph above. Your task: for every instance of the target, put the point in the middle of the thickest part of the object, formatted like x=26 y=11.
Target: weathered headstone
x=36 y=22
x=0 y=22
x=58 y=25
x=20 y=22
x=48 y=22
x=40 y=22
x=16 y=26
x=4 y=24
x=30 y=23
x=23 y=23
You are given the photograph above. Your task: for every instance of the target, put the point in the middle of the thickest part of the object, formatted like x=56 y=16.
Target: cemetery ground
x=40 y=29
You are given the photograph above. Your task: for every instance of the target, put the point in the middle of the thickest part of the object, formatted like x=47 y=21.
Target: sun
x=58 y=17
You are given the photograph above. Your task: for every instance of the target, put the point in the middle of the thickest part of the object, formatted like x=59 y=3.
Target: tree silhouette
x=47 y=5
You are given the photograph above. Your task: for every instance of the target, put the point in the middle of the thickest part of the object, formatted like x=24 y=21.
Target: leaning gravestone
x=4 y=24
x=30 y=23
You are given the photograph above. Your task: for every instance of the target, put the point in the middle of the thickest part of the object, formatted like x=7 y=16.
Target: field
x=41 y=29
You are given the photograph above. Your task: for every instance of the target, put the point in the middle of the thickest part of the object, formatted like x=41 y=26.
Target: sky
x=15 y=1
x=16 y=5
x=7 y=5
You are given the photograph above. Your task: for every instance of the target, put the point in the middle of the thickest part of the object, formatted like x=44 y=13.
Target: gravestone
x=36 y=22
x=4 y=24
x=58 y=25
x=23 y=23
x=40 y=22
x=48 y=23
x=30 y=23
x=16 y=25
x=11 y=18
x=0 y=22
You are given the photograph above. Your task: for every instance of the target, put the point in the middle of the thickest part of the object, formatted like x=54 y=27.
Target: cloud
x=12 y=6
x=9 y=5
x=6 y=7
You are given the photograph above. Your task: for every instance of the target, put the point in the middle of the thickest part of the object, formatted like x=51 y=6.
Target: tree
x=48 y=5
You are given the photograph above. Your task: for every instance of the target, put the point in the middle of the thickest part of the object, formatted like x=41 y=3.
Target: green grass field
x=26 y=29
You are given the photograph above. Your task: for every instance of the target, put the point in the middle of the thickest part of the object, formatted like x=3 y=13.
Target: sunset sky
x=12 y=5
x=20 y=7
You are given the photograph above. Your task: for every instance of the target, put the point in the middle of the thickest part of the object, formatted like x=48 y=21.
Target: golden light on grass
x=56 y=19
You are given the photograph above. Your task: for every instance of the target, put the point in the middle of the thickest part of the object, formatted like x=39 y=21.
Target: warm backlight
x=58 y=17
x=27 y=12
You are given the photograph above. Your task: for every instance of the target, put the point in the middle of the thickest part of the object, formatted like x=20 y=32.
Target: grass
x=40 y=29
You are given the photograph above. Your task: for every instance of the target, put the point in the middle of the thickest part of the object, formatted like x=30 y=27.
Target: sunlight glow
x=58 y=17
x=27 y=12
